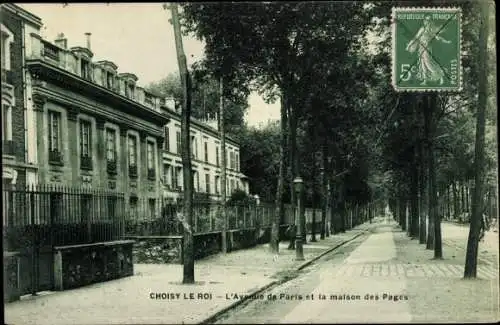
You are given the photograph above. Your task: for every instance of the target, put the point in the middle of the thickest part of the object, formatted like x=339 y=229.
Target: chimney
x=61 y=41
x=87 y=35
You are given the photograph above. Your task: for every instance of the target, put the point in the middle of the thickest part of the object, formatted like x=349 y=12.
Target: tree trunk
x=433 y=199
x=467 y=197
x=313 y=199
x=188 y=251
x=479 y=161
x=464 y=206
x=448 y=202
x=274 y=244
x=456 y=209
x=431 y=193
x=324 y=188
x=414 y=215
x=292 y=146
x=223 y=167
x=423 y=195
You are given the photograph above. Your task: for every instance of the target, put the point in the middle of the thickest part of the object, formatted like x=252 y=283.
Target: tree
x=274 y=44
x=477 y=200
x=188 y=251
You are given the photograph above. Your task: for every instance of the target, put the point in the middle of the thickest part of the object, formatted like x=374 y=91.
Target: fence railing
x=145 y=219
x=53 y=215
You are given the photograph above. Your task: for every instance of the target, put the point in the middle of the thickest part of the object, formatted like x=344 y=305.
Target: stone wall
x=80 y=265
x=10 y=276
x=168 y=249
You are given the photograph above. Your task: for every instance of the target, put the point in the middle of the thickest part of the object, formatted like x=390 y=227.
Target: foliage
x=240 y=197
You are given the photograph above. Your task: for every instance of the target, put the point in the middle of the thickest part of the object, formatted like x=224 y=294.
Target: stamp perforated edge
x=393 y=50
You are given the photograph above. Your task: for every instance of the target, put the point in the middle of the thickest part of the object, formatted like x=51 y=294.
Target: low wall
x=11 y=276
x=80 y=265
x=168 y=249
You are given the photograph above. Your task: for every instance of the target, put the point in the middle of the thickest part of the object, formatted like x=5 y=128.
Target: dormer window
x=130 y=89
x=85 y=69
x=109 y=80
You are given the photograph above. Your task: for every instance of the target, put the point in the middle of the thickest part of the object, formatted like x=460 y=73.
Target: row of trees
x=343 y=128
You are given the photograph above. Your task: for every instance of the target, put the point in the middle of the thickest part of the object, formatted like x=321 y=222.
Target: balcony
x=151 y=174
x=50 y=51
x=86 y=162
x=111 y=167
x=55 y=157
x=7 y=77
x=132 y=171
x=8 y=147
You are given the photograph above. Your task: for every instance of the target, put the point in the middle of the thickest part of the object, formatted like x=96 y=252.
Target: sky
x=138 y=38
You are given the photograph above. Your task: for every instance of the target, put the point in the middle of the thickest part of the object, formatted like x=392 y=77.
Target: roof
x=26 y=15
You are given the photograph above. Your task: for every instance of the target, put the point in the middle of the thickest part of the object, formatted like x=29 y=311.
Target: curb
x=210 y=319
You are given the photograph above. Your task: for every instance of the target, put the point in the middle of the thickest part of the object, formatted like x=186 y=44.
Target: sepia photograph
x=250 y=162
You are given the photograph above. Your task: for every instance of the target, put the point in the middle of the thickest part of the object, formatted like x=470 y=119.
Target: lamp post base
x=299 y=249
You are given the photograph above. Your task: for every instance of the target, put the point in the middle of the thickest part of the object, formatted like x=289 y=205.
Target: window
x=152 y=204
x=231 y=188
x=4 y=49
x=216 y=184
x=231 y=160
x=129 y=90
x=206 y=152
x=132 y=155
x=6 y=123
x=55 y=146
x=178 y=140
x=166 y=140
x=173 y=177
x=133 y=207
x=109 y=80
x=85 y=69
x=85 y=145
x=54 y=131
x=5 y=46
x=193 y=145
x=237 y=161
x=150 y=155
x=111 y=145
x=111 y=155
x=207 y=182
x=85 y=138
x=217 y=156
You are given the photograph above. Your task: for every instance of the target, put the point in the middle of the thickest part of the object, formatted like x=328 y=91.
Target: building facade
x=18 y=141
x=82 y=123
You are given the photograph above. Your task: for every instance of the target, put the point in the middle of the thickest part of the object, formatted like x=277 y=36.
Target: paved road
x=374 y=279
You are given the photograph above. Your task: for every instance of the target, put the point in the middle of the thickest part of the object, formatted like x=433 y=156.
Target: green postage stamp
x=426 y=48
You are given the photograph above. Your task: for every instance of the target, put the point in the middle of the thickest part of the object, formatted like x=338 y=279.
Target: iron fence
x=145 y=218
x=56 y=215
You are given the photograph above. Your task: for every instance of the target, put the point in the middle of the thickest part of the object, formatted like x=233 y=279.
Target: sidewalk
x=439 y=292
x=155 y=295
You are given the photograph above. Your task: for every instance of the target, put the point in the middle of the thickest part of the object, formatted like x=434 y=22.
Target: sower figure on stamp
x=428 y=68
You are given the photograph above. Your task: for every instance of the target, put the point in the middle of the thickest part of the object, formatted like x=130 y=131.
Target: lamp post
x=298 y=185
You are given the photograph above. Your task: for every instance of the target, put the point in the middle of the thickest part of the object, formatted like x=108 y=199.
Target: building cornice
x=46 y=95
x=26 y=15
x=65 y=79
x=211 y=131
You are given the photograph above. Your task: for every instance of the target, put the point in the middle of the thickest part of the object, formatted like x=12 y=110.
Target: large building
x=18 y=140
x=82 y=123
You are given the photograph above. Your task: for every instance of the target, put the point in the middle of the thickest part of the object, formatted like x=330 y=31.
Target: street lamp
x=298 y=185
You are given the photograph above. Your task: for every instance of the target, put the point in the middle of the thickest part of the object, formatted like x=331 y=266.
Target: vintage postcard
x=249 y=163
